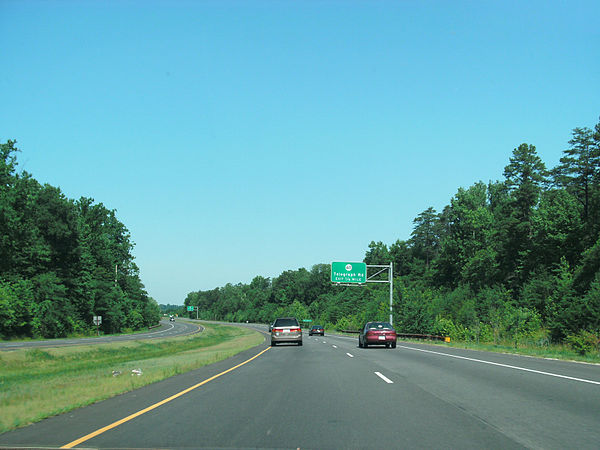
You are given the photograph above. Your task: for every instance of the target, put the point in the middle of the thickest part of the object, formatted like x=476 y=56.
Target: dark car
x=286 y=329
x=377 y=333
x=316 y=329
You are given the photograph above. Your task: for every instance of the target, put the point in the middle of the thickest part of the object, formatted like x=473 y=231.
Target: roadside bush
x=486 y=332
x=135 y=320
x=538 y=338
x=443 y=327
x=460 y=333
x=7 y=322
x=583 y=342
x=348 y=323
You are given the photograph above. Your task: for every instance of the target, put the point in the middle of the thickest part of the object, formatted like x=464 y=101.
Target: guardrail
x=429 y=337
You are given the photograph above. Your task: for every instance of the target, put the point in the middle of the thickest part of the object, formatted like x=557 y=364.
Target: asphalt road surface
x=165 y=330
x=331 y=394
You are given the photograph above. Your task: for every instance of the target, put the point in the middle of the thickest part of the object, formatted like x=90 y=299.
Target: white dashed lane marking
x=384 y=378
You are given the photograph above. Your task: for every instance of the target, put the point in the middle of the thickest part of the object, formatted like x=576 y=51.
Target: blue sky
x=237 y=139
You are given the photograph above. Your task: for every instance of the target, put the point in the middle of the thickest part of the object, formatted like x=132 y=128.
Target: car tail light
x=277 y=330
x=296 y=330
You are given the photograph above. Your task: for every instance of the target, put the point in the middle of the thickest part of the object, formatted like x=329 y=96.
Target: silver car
x=286 y=329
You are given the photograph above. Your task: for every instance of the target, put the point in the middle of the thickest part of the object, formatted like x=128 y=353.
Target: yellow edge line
x=156 y=405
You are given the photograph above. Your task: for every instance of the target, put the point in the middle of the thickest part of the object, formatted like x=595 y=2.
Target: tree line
x=512 y=260
x=63 y=261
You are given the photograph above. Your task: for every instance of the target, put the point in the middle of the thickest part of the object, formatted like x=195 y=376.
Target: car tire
x=365 y=345
x=272 y=344
x=299 y=343
x=393 y=345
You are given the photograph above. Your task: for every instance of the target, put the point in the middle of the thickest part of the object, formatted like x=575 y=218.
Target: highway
x=331 y=394
x=165 y=330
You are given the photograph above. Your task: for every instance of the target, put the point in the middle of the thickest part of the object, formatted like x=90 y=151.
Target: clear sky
x=246 y=138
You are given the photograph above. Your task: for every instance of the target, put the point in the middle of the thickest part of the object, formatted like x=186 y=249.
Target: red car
x=377 y=333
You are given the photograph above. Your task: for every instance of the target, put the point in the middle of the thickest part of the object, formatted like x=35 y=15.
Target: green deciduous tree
x=377 y=253
x=58 y=260
x=468 y=250
x=557 y=230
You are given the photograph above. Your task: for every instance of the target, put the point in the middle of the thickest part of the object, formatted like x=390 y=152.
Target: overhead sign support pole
x=390 y=268
x=353 y=274
x=391 y=290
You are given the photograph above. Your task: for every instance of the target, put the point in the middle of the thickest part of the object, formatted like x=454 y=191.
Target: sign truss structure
x=337 y=269
x=193 y=308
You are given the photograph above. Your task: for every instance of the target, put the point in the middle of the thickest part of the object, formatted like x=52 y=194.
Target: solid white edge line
x=384 y=378
x=503 y=365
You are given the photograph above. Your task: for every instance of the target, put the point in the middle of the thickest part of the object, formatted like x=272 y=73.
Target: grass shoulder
x=559 y=352
x=39 y=383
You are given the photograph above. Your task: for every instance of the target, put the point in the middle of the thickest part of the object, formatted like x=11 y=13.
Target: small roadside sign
x=97 y=322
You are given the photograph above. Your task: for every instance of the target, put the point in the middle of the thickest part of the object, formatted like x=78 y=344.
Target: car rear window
x=286 y=323
x=380 y=326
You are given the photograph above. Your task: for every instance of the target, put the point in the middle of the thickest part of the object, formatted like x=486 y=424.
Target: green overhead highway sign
x=190 y=308
x=348 y=272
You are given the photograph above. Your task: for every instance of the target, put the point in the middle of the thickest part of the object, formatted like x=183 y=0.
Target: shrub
x=583 y=342
x=348 y=323
x=443 y=326
x=486 y=332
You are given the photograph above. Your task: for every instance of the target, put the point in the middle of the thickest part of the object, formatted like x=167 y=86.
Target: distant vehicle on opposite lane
x=286 y=329
x=316 y=329
x=377 y=333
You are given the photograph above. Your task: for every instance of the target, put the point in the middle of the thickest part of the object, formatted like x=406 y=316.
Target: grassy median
x=38 y=383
